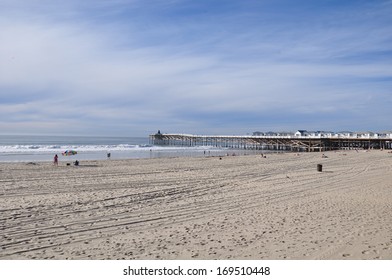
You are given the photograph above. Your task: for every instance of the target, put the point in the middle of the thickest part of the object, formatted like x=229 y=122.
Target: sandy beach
x=236 y=207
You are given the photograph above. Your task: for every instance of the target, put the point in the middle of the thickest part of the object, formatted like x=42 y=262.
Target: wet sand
x=237 y=207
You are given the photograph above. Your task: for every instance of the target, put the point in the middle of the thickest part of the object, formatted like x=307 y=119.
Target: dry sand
x=237 y=207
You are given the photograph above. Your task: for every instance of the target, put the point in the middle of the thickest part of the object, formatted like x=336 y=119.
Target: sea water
x=43 y=148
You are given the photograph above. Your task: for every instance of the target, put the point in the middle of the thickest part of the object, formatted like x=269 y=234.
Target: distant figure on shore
x=108 y=155
x=56 y=160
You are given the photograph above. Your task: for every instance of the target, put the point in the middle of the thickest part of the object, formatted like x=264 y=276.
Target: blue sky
x=131 y=67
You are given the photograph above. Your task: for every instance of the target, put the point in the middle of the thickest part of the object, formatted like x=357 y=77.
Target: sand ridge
x=237 y=207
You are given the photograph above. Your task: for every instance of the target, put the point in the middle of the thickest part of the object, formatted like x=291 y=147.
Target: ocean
x=43 y=148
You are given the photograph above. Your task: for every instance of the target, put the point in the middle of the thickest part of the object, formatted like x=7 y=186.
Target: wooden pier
x=279 y=143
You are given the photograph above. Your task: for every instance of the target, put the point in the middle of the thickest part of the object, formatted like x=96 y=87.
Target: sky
x=131 y=67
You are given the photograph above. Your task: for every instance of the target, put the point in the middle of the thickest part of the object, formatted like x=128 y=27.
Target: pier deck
x=284 y=143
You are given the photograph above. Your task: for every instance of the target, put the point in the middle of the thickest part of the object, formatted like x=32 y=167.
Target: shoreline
x=156 y=152
x=237 y=207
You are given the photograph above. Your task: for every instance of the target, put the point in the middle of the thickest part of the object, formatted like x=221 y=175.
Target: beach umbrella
x=69 y=153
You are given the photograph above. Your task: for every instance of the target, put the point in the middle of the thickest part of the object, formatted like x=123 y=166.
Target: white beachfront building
x=327 y=134
x=285 y=133
x=258 y=133
x=385 y=134
x=346 y=134
x=366 y=134
x=269 y=133
x=300 y=133
x=315 y=134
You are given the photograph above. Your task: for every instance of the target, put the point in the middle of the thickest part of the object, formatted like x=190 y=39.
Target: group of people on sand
x=56 y=161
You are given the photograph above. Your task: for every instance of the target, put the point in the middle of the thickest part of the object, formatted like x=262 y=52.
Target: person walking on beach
x=56 y=160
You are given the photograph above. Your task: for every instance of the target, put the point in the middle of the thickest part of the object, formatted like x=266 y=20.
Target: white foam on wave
x=57 y=148
x=91 y=148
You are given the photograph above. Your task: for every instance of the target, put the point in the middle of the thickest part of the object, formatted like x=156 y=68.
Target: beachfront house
x=327 y=134
x=300 y=133
x=313 y=134
x=258 y=133
x=366 y=134
x=285 y=133
x=271 y=133
x=385 y=134
x=345 y=134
